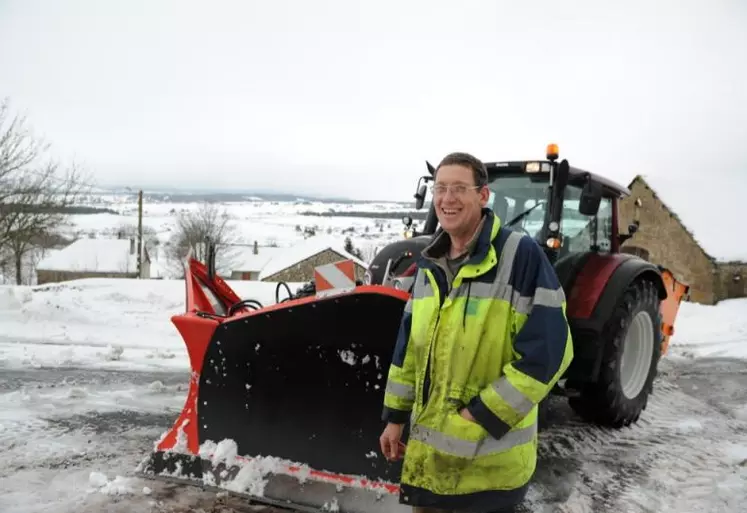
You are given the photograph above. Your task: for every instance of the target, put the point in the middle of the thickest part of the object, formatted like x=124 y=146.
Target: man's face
x=459 y=206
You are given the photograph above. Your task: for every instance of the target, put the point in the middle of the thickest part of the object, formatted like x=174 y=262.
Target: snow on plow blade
x=285 y=401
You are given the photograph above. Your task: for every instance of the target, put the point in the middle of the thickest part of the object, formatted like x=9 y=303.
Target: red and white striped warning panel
x=335 y=277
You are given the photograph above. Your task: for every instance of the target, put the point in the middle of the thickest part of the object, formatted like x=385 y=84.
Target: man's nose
x=449 y=193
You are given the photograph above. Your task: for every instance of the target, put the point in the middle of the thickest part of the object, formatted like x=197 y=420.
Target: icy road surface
x=92 y=373
x=70 y=440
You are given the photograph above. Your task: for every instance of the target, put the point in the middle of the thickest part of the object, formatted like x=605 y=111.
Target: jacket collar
x=440 y=243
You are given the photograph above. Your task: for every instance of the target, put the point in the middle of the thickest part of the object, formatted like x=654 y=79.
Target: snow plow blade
x=284 y=404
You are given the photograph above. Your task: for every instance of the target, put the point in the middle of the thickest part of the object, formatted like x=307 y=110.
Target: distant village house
x=249 y=263
x=664 y=239
x=93 y=258
x=295 y=263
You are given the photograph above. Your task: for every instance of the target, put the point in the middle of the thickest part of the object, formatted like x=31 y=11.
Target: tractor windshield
x=521 y=200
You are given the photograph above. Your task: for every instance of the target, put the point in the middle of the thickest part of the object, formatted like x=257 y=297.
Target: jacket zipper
x=427 y=378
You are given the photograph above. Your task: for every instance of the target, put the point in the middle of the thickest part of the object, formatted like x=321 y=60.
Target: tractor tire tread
x=603 y=402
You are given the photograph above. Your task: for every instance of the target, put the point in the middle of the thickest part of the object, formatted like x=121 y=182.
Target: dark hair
x=479 y=171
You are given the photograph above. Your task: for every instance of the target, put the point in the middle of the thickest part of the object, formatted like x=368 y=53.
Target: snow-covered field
x=249 y=220
x=93 y=373
x=281 y=223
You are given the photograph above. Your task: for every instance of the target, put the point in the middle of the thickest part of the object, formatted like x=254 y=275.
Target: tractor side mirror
x=420 y=196
x=591 y=197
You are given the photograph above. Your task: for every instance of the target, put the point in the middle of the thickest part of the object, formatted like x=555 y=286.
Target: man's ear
x=484 y=196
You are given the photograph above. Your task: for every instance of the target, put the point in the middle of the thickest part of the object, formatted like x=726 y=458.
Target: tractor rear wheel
x=631 y=341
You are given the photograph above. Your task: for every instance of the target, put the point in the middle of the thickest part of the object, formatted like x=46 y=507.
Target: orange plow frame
x=669 y=307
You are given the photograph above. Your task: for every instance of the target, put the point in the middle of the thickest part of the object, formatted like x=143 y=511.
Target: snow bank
x=125 y=324
x=711 y=330
x=102 y=323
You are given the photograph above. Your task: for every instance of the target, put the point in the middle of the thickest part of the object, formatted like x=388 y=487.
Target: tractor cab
x=571 y=213
x=565 y=209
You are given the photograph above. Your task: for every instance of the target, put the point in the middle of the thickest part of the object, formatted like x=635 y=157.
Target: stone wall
x=304 y=270
x=668 y=243
x=732 y=280
x=43 y=276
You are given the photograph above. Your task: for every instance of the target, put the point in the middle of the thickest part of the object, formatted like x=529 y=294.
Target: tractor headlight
x=537 y=167
x=532 y=167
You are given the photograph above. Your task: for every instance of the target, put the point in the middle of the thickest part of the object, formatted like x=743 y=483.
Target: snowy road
x=67 y=434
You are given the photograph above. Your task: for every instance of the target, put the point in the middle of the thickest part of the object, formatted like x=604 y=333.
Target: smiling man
x=482 y=341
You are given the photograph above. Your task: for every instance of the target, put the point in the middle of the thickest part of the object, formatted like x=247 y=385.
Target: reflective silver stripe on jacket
x=422 y=288
x=507 y=257
x=466 y=449
x=513 y=396
x=406 y=392
x=501 y=289
x=504 y=291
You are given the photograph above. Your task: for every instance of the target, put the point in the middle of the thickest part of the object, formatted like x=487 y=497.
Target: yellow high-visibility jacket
x=495 y=340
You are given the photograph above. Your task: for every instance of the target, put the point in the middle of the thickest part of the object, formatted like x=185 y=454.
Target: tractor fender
x=597 y=289
x=624 y=274
x=592 y=276
x=601 y=282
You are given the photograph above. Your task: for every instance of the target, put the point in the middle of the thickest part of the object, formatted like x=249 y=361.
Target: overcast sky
x=347 y=98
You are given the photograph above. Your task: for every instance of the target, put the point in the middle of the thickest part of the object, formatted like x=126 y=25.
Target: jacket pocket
x=464 y=429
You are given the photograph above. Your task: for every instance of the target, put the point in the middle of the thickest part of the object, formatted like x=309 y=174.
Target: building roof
x=93 y=255
x=304 y=250
x=712 y=211
x=247 y=261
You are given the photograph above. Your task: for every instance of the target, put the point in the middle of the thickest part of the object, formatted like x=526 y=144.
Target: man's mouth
x=450 y=212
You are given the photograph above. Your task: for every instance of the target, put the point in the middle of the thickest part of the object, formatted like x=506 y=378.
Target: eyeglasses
x=456 y=189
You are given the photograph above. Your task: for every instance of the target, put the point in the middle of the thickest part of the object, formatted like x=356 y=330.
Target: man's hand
x=390 y=441
x=464 y=412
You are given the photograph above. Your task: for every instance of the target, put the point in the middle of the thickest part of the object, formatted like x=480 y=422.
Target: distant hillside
x=383 y=214
x=36 y=209
x=239 y=196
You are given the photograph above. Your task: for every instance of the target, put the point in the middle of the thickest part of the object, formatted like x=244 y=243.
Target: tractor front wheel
x=631 y=342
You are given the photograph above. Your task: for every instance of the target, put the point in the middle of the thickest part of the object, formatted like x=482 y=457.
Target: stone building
x=93 y=258
x=250 y=262
x=664 y=239
x=296 y=263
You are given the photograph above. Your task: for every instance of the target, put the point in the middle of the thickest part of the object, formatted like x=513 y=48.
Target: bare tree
x=195 y=227
x=352 y=249
x=35 y=195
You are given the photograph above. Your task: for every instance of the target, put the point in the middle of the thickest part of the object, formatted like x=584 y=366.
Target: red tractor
x=285 y=400
x=621 y=308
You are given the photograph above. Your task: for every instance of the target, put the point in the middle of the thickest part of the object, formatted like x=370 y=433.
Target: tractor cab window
x=583 y=233
x=520 y=201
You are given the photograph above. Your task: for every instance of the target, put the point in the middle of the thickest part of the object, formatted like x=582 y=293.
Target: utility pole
x=140 y=234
